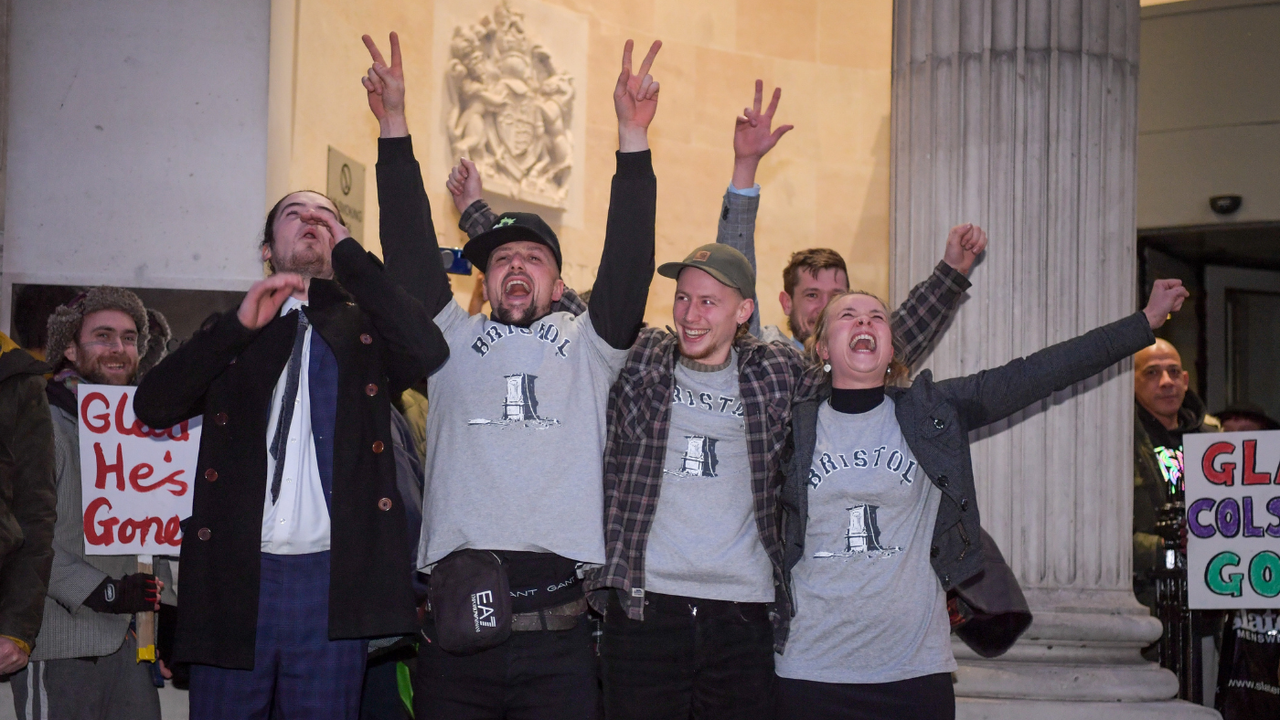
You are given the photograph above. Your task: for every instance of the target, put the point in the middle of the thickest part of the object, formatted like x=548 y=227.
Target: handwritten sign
x=135 y=481
x=1233 y=519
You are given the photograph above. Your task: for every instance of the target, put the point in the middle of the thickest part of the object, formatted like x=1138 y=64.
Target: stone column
x=1021 y=115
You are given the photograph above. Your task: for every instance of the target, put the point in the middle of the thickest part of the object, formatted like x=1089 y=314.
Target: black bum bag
x=470 y=601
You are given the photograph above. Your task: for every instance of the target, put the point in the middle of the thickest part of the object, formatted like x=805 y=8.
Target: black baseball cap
x=721 y=262
x=511 y=227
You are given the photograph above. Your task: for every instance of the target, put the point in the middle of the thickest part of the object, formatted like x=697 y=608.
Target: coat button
x=370 y=389
x=377 y=446
x=933 y=551
x=220 y=419
x=204 y=534
x=938 y=423
x=946 y=581
x=943 y=481
x=210 y=474
x=964 y=503
x=384 y=504
x=366 y=338
x=233 y=361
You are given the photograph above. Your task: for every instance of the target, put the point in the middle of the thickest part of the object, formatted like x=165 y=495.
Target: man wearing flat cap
x=697 y=424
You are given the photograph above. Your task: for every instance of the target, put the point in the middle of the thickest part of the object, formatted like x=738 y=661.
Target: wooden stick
x=146 y=621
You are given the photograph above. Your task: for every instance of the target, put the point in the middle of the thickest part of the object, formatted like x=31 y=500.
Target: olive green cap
x=721 y=262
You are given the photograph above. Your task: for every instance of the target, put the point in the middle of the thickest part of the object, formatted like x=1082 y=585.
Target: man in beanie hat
x=84 y=664
x=515 y=425
x=698 y=419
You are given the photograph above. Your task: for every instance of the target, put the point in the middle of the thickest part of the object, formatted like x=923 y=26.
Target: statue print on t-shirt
x=862 y=537
x=699 y=459
x=520 y=406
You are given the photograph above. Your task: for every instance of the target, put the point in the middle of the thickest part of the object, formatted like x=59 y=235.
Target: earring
x=826 y=368
x=888 y=370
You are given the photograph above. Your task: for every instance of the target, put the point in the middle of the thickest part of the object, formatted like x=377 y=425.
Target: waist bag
x=470 y=602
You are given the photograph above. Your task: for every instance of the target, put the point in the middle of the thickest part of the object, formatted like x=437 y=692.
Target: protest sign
x=1233 y=519
x=135 y=481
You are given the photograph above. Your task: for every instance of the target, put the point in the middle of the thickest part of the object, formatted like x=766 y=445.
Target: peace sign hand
x=635 y=99
x=385 y=86
x=752 y=137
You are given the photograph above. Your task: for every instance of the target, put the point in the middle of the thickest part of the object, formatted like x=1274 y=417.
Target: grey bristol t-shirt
x=869 y=607
x=515 y=435
x=704 y=542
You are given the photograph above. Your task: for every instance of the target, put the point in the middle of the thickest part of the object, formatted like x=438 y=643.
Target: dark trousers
x=930 y=697
x=113 y=687
x=539 y=675
x=689 y=658
x=298 y=672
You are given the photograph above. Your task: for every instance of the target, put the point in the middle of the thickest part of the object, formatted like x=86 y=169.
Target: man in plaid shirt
x=693 y=584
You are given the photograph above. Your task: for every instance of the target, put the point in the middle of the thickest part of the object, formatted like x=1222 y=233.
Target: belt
x=558 y=617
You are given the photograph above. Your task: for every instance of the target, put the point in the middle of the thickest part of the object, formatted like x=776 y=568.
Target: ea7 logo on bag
x=482 y=610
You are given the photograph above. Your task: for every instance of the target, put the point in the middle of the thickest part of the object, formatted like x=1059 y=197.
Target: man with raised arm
x=697 y=426
x=814 y=275
x=515 y=428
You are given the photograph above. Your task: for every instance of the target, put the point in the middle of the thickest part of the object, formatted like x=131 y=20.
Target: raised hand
x=385 y=86
x=262 y=303
x=464 y=184
x=753 y=137
x=1166 y=297
x=964 y=244
x=635 y=99
x=337 y=231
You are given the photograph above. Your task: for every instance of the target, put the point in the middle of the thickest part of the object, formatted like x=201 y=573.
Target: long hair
x=898 y=371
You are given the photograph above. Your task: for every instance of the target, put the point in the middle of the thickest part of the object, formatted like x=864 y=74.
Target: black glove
x=130 y=594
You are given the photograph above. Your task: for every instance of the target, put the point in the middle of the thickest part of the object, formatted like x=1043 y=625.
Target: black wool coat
x=383 y=341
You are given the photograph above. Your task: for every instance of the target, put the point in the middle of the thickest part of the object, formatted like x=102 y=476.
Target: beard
x=307 y=262
x=799 y=336
x=93 y=371
x=522 y=318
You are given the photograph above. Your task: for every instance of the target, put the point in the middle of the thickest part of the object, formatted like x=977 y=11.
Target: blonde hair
x=898 y=371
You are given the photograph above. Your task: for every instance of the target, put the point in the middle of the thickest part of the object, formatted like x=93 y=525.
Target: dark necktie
x=281 y=439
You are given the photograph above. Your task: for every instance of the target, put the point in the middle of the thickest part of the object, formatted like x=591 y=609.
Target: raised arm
x=753 y=138
x=408 y=235
x=626 y=266
x=992 y=395
x=929 y=305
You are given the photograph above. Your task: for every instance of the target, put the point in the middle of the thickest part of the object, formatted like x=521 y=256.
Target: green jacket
x=1151 y=488
x=27 y=498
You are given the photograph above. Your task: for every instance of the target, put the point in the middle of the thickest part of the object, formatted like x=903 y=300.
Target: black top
x=856 y=402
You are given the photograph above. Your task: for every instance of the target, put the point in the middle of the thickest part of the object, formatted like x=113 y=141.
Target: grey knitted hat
x=157 y=343
x=64 y=323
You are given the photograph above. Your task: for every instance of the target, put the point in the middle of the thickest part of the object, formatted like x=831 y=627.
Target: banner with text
x=1233 y=519
x=135 y=481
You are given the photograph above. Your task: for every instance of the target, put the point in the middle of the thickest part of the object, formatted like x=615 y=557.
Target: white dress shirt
x=298 y=522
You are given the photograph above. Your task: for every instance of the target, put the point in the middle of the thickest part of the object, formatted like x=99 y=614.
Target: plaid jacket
x=771 y=377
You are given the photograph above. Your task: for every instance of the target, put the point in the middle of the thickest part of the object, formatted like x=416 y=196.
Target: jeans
x=539 y=675
x=688 y=658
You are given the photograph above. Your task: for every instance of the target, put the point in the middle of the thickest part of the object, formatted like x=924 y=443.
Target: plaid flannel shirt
x=770 y=377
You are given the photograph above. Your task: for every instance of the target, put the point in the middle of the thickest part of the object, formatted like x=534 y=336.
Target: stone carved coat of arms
x=510 y=109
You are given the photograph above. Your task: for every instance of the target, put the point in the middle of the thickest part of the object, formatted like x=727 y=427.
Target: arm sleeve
x=415 y=346
x=926 y=311
x=24 y=577
x=992 y=395
x=737 y=229
x=71 y=579
x=477 y=218
x=621 y=289
x=409 y=245
x=174 y=390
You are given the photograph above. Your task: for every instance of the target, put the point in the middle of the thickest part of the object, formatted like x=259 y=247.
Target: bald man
x=1165 y=410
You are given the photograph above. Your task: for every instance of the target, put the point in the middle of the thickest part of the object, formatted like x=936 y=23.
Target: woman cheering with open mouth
x=880 y=518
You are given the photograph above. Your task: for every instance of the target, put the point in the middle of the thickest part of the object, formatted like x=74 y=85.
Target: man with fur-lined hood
x=84 y=663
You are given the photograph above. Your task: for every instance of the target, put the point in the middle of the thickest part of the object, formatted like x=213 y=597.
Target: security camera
x=1225 y=204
